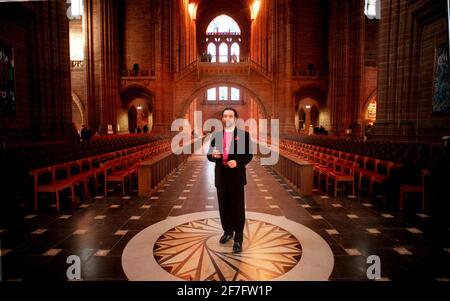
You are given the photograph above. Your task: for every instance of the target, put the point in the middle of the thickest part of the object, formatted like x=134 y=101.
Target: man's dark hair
x=230 y=109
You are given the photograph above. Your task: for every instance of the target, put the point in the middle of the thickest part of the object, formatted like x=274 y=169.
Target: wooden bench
x=56 y=183
x=80 y=171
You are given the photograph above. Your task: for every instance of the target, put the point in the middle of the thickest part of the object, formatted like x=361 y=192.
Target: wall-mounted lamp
x=139 y=107
x=372 y=9
x=192 y=8
x=308 y=107
x=254 y=8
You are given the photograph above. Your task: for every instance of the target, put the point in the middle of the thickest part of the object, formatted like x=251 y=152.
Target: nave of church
x=244 y=140
x=174 y=235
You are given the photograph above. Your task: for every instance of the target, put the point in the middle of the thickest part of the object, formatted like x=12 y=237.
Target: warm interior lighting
x=308 y=107
x=255 y=8
x=192 y=8
x=139 y=107
x=76 y=8
x=372 y=9
x=76 y=46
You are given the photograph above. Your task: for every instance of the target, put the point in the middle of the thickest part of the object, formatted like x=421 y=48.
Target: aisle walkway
x=411 y=246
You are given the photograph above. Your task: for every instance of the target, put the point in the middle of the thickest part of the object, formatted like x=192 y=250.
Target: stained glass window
x=223 y=24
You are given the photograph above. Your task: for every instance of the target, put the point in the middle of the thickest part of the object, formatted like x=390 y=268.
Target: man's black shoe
x=225 y=237
x=237 y=247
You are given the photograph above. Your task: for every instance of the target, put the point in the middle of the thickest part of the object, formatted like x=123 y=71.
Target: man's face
x=228 y=118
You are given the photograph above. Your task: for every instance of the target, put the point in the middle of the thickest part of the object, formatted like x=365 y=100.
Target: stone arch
x=367 y=101
x=363 y=118
x=142 y=100
x=79 y=107
x=133 y=91
x=315 y=98
x=199 y=90
x=310 y=92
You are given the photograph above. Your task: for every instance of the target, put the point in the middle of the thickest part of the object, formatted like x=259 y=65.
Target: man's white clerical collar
x=230 y=130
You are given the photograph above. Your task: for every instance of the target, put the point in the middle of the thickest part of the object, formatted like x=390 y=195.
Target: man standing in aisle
x=231 y=150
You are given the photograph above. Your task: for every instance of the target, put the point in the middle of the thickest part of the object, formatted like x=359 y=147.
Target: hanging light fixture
x=255 y=8
x=192 y=8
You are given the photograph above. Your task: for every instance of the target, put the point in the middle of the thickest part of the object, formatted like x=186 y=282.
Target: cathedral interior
x=352 y=96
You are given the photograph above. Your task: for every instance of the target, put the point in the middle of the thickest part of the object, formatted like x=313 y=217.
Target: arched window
x=212 y=52
x=223 y=53
x=235 y=94
x=223 y=94
x=212 y=95
x=235 y=53
x=223 y=24
x=223 y=41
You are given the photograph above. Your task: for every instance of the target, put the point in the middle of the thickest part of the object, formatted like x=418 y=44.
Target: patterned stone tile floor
x=36 y=245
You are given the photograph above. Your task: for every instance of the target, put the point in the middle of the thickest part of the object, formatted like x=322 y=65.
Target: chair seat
x=326 y=170
x=94 y=171
x=118 y=175
x=55 y=186
x=341 y=176
x=366 y=173
x=411 y=188
x=78 y=178
x=379 y=178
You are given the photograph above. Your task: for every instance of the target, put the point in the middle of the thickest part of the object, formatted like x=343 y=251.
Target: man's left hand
x=232 y=164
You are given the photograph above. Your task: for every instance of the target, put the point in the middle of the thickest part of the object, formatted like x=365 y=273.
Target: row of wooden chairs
x=56 y=178
x=341 y=166
x=40 y=155
x=121 y=169
x=384 y=150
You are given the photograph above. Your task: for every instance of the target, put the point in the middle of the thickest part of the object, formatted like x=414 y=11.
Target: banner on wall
x=7 y=81
x=441 y=81
x=110 y=129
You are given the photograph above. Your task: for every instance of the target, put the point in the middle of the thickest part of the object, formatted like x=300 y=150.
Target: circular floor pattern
x=186 y=248
x=192 y=251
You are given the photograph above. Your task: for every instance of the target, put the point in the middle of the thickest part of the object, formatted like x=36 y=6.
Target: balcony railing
x=225 y=33
x=143 y=76
x=124 y=74
x=77 y=64
x=222 y=102
x=222 y=65
x=310 y=73
x=222 y=59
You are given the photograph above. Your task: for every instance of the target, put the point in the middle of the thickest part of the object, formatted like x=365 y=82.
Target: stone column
x=282 y=96
x=101 y=64
x=346 y=56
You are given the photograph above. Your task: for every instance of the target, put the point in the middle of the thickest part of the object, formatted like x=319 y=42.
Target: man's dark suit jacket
x=240 y=151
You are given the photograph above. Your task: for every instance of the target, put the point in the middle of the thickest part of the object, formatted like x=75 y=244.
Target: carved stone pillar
x=101 y=63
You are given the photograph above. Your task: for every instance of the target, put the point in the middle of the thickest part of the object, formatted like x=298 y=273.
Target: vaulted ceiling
x=237 y=9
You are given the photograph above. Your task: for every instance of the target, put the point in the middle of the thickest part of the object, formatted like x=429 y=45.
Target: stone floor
x=36 y=245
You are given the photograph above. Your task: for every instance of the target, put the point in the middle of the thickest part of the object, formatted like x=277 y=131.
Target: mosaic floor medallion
x=187 y=248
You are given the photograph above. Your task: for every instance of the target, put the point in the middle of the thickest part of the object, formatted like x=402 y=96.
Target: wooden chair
x=368 y=168
x=344 y=172
x=56 y=185
x=407 y=188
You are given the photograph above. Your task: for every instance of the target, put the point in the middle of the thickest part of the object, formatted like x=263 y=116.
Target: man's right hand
x=215 y=154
